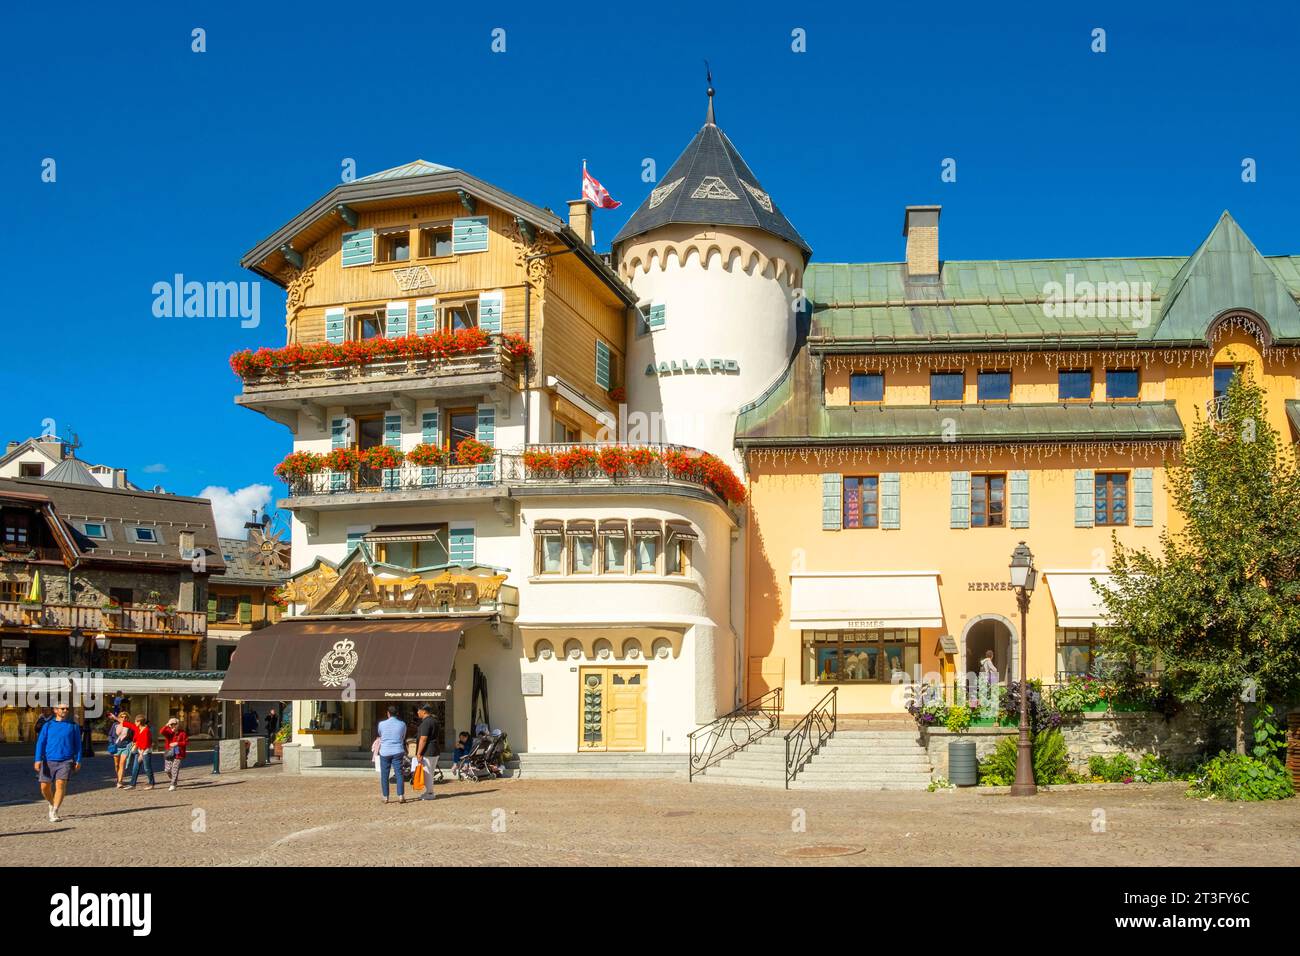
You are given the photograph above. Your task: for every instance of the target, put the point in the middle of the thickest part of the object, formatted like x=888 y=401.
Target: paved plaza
x=264 y=817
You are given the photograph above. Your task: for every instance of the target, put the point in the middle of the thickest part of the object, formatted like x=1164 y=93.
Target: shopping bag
x=417 y=776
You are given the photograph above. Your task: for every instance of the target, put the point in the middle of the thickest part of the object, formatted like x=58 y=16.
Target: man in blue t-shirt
x=58 y=757
x=392 y=744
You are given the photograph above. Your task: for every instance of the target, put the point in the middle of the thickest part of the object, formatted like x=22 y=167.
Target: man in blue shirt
x=58 y=757
x=392 y=744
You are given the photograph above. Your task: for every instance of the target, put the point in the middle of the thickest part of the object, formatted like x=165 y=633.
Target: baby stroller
x=484 y=761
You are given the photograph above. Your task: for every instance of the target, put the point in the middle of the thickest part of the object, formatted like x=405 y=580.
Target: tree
x=1218 y=603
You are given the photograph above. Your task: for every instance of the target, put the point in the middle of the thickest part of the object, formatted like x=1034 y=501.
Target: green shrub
x=1117 y=768
x=1051 y=761
x=958 y=719
x=1260 y=775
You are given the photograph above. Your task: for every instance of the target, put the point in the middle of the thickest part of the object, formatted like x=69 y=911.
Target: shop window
x=1111 y=498
x=866 y=388
x=861 y=503
x=328 y=717
x=994 y=385
x=861 y=657
x=988 y=501
x=947 y=386
x=1075 y=651
x=1074 y=384
x=1122 y=384
x=435 y=241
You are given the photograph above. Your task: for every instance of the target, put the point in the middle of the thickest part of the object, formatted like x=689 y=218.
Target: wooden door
x=611 y=709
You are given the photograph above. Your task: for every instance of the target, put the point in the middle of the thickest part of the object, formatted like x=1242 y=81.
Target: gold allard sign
x=357 y=590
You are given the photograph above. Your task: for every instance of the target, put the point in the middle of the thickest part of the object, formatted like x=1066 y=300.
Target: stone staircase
x=595 y=766
x=849 y=760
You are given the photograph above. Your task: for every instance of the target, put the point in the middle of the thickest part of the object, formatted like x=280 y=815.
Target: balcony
x=283 y=383
x=121 y=622
x=600 y=468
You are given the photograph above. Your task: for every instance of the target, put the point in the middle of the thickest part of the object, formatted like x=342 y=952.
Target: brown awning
x=346 y=660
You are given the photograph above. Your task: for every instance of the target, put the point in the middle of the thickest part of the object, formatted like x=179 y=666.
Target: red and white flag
x=595 y=193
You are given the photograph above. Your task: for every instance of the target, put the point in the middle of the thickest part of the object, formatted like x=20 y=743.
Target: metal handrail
x=757 y=718
x=810 y=733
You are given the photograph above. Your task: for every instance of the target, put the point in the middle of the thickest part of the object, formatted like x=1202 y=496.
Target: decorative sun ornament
x=663 y=192
x=269 y=550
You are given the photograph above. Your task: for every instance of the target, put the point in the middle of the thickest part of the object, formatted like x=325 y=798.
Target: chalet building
x=108 y=580
x=936 y=413
x=453 y=356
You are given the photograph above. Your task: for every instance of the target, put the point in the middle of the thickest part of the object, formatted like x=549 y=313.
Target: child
x=463 y=747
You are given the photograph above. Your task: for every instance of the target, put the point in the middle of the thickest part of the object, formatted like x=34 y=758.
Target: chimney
x=921 y=227
x=580 y=219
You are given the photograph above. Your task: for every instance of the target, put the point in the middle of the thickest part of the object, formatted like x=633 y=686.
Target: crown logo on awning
x=338 y=663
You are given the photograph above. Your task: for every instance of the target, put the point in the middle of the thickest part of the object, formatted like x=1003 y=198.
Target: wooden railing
x=130 y=619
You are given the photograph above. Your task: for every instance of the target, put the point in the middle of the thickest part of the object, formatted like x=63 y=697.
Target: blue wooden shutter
x=1143 y=497
x=359 y=247
x=426 y=316
x=334 y=323
x=832 y=489
x=395 y=324
x=890 y=487
x=354 y=540
x=959 y=508
x=429 y=436
x=469 y=234
x=602 y=365
x=485 y=430
x=1085 y=498
x=655 y=318
x=1019 y=499
x=490 y=305
x=461 y=550
x=393 y=439
x=338 y=439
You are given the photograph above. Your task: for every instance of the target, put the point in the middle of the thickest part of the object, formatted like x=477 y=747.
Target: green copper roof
x=792 y=412
x=990 y=303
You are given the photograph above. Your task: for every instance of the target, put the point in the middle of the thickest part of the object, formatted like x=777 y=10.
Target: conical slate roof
x=71 y=471
x=710 y=184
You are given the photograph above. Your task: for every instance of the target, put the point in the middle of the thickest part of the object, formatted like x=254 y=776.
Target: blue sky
x=174 y=161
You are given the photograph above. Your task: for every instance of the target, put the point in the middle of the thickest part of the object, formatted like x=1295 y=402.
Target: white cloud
x=157 y=469
x=233 y=508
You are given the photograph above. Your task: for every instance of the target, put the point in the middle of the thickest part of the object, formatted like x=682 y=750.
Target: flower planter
x=963 y=768
x=1099 y=707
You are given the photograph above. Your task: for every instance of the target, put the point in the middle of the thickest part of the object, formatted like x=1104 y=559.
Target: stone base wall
x=1180 y=740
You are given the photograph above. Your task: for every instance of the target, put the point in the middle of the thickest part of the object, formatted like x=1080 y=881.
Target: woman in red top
x=142 y=744
x=176 y=738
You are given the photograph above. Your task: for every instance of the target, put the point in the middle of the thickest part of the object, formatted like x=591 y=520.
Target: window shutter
x=890 y=488
x=426 y=316
x=960 y=504
x=359 y=248
x=212 y=610
x=602 y=365
x=1019 y=499
x=338 y=439
x=393 y=439
x=429 y=436
x=469 y=234
x=1085 y=498
x=490 y=305
x=655 y=318
x=486 y=431
x=245 y=612
x=461 y=551
x=354 y=540
x=334 y=326
x=1143 y=497
x=832 y=489
x=395 y=320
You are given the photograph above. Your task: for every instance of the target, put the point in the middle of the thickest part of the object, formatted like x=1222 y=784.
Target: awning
x=1077 y=603
x=354 y=660
x=866 y=600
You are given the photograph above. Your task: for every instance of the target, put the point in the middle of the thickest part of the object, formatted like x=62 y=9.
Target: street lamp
x=1023 y=577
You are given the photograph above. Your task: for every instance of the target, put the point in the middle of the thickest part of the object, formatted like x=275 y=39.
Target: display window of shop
x=861 y=657
x=121 y=657
x=200 y=715
x=328 y=717
x=580 y=535
x=13 y=651
x=988 y=501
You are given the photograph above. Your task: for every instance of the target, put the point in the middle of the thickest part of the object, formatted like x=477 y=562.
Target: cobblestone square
x=265 y=817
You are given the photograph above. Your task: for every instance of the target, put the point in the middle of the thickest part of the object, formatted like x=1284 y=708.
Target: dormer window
x=95 y=530
x=144 y=535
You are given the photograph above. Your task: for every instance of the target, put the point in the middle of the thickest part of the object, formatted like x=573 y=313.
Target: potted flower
x=427 y=455
x=517 y=346
x=612 y=460
x=382 y=456
x=539 y=463
x=299 y=465
x=618 y=394
x=963 y=768
x=471 y=451
x=282 y=737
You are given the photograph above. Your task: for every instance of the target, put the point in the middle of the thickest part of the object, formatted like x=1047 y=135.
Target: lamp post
x=1023 y=576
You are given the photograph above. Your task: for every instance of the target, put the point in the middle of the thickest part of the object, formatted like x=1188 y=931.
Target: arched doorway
x=990 y=632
